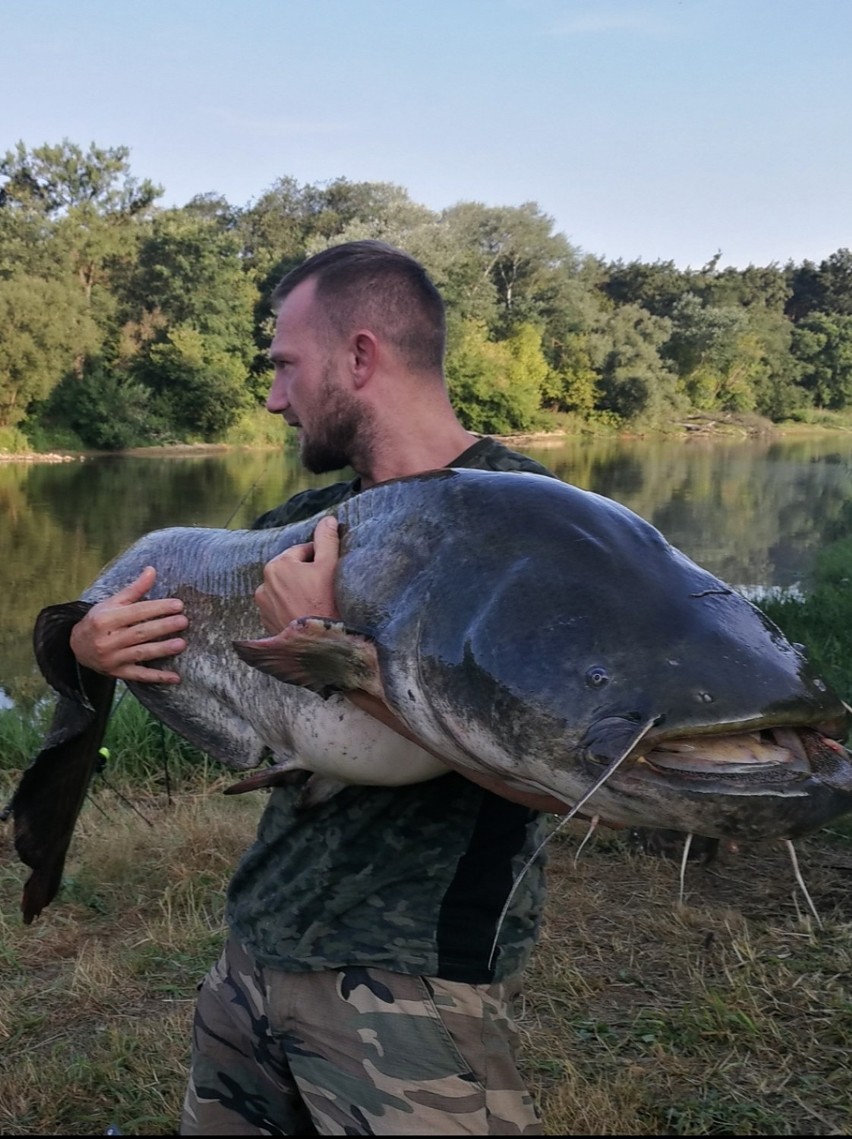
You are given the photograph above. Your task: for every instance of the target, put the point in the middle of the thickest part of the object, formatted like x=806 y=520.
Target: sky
x=666 y=130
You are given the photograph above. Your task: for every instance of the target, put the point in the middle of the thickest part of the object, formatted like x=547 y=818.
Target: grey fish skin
x=522 y=627
x=535 y=633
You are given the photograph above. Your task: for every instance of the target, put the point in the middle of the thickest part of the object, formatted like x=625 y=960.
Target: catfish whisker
x=800 y=880
x=683 y=861
x=593 y=826
x=613 y=767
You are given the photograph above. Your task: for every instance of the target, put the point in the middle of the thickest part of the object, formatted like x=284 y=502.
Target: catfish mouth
x=778 y=761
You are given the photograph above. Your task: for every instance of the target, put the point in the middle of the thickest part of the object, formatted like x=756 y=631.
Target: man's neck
x=411 y=455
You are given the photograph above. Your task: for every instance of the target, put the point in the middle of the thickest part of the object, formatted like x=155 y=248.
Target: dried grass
x=730 y=1013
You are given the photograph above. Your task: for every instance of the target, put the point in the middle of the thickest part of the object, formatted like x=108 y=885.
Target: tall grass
x=138 y=748
x=823 y=620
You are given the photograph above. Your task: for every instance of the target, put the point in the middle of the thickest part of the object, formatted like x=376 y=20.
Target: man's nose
x=277 y=401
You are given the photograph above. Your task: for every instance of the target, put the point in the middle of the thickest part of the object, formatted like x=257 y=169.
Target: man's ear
x=364 y=353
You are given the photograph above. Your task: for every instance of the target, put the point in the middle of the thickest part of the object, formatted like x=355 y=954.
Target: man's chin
x=320 y=461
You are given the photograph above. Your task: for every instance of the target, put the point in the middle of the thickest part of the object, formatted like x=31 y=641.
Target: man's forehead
x=295 y=316
x=298 y=303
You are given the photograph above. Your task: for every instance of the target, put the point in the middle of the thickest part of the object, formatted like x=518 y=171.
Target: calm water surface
x=753 y=512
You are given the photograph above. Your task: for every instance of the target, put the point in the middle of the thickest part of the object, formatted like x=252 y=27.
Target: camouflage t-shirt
x=412 y=879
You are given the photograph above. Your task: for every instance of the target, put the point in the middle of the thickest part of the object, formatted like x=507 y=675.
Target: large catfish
x=519 y=627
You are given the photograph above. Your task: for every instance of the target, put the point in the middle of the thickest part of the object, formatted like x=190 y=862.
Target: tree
x=496 y=387
x=776 y=386
x=656 y=286
x=45 y=330
x=189 y=302
x=107 y=409
x=519 y=257
x=89 y=200
x=636 y=384
x=758 y=287
x=824 y=288
x=822 y=344
x=575 y=386
x=188 y=270
x=199 y=389
x=703 y=335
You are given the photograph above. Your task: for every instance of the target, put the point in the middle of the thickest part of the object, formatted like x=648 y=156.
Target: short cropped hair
x=372 y=284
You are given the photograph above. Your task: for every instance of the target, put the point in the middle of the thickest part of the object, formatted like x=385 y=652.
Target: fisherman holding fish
x=368 y=981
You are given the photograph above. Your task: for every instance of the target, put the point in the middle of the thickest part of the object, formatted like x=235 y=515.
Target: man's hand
x=300 y=582
x=120 y=634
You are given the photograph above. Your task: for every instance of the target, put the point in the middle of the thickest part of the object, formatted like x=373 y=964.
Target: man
x=367 y=983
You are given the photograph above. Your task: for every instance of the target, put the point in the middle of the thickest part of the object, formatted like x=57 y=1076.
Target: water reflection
x=753 y=512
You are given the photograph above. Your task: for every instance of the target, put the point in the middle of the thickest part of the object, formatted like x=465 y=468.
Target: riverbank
x=40 y=457
x=698 y=425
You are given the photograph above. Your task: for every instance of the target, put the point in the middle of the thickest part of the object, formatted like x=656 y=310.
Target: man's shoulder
x=305 y=504
x=489 y=454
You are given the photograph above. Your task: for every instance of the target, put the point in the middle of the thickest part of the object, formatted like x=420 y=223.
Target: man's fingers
x=138 y=588
x=155 y=650
x=144 y=675
x=150 y=630
x=147 y=619
x=301 y=553
x=326 y=540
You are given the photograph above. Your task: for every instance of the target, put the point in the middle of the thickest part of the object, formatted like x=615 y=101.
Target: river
x=755 y=512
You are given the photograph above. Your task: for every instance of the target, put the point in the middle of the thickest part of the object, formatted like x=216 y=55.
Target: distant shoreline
x=705 y=427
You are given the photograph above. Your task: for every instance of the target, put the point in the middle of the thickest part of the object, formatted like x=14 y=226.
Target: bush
x=13 y=441
x=108 y=410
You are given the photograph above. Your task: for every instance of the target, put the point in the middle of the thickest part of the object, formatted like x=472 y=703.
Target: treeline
x=125 y=323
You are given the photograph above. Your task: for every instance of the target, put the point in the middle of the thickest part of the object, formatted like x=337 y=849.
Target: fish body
x=518 y=627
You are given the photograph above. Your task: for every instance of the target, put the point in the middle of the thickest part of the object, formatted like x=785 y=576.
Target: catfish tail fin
x=52 y=648
x=51 y=791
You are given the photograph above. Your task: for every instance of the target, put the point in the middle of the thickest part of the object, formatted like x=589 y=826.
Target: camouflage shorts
x=352 y=1051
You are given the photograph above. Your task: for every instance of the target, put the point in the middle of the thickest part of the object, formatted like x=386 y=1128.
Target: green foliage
x=635 y=382
x=823 y=619
x=655 y=287
x=13 y=441
x=517 y=252
x=107 y=410
x=45 y=329
x=822 y=344
x=188 y=272
x=824 y=288
x=87 y=206
x=139 y=748
x=198 y=387
x=54 y=180
x=152 y=324
x=497 y=387
x=255 y=427
x=574 y=385
x=704 y=336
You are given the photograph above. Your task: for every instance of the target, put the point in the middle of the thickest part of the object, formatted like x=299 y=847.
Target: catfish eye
x=597 y=677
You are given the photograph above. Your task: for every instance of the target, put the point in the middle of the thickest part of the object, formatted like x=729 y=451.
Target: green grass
x=141 y=750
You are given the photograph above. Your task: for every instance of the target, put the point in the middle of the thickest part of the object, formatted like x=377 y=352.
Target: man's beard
x=342 y=438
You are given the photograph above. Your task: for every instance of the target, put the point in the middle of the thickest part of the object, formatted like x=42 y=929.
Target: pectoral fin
x=319 y=654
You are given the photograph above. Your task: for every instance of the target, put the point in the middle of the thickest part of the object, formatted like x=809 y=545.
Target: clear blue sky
x=657 y=129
